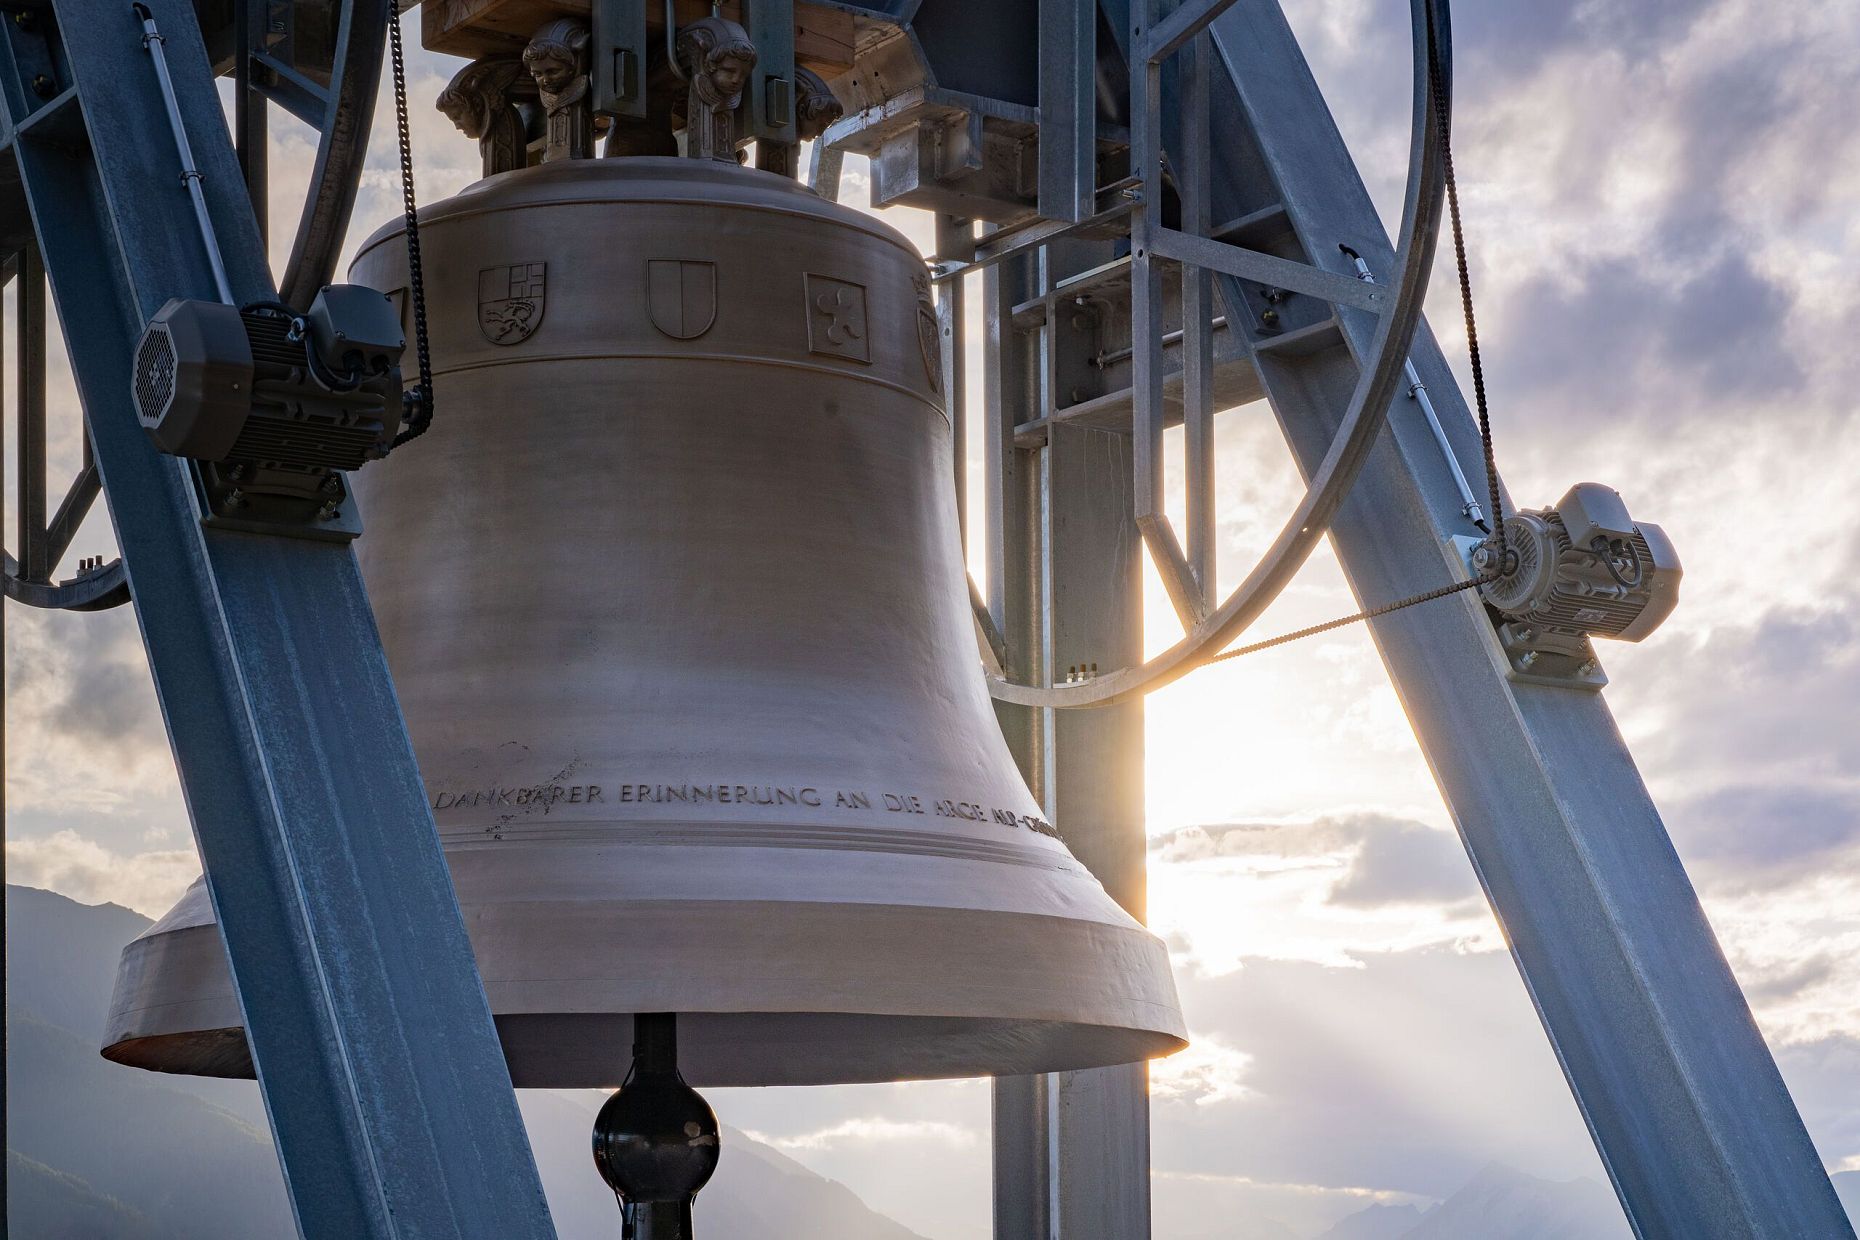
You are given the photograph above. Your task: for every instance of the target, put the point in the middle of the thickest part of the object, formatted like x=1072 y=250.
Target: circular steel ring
x=1356 y=434
x=98 y=589
x=342 y=148
x=354 y=76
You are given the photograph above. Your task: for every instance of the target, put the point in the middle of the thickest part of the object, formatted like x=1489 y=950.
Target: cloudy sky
x=1663 y=201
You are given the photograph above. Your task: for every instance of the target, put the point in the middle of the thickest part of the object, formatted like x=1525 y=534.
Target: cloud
x=1385 y=860
x=1208 y=1072
x=869 y=1129
x=86 y=745
x=1400 y=1077
x=1672 y=327
x=79 y=867
x=1323 y=890
x=1767 y=834
x=1406 y=863
x=1824 y=1078
x=1749 y=745
x=919 y=1150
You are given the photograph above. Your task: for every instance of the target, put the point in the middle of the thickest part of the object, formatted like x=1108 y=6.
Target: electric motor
x=1580 y=569
x=287 y=395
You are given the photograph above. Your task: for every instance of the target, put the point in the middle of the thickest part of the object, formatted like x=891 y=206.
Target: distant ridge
x=103 y=1152
x=1499 y=1203
x=1378 y=1222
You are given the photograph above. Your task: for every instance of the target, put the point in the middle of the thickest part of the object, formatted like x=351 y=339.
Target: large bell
x=675 y=606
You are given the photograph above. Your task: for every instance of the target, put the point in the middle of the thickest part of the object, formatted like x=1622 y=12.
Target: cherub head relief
x=557 y=58
x=478 y=94
x=816 y=108
x=717 y=57
x=481 y=100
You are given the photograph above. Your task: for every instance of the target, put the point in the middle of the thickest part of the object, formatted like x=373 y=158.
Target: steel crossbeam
x=380 y=1066
x=1171 y=34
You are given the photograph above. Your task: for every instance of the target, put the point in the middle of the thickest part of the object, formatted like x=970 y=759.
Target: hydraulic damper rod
x=1470 y=506
x=655 y=1140
x=190 y=171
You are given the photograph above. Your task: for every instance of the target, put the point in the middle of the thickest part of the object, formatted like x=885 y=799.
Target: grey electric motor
x=1583 y=568
x=281 y=393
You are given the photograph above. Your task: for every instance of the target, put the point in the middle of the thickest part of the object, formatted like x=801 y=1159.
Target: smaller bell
x=655 y=1140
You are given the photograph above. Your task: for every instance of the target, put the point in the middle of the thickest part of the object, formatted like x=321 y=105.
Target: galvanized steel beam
x=1686 y=1106
x=1068 y=172
x=381 y=1070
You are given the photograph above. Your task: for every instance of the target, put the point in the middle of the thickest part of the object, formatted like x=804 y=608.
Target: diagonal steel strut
x=381 y=1069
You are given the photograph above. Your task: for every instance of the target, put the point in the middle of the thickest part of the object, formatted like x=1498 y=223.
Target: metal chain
x=1425 y=597
x=1443 y=114
x=1506 y=557
x=418 y=403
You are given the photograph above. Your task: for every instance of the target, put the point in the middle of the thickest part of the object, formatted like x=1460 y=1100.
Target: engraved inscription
x=542 y=796
x=681 y=296
x=836 y=325
x=516 y=802
x=510 y=301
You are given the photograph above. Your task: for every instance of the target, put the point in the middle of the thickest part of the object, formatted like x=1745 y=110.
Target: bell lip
x=1077 y=994
x=223 y=1053
x=621 y=180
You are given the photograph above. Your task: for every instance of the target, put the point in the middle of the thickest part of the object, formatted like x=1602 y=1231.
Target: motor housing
x=1581 y=569
x=289 y=396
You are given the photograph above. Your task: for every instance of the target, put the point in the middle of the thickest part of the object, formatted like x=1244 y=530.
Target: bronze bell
x=676 y=609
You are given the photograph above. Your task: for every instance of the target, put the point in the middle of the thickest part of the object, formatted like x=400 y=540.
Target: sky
x=1663 y=208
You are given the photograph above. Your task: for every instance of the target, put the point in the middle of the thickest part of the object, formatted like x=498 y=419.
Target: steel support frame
x=1065 y=580
x=1680 y=1093
x=1667 y=1066
x=381 y=1069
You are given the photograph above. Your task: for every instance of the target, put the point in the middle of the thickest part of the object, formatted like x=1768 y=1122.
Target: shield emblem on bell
x=681 y=296
x=510 y=301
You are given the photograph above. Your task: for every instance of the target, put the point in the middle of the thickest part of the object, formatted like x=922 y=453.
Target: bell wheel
x=1211 y=625
x=318 y=61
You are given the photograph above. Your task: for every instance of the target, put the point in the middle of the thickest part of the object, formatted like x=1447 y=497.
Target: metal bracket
x=1529 y=657
x=621 y=52
x=329 y=516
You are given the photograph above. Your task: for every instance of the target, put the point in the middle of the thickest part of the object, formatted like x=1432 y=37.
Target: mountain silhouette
x=1378 y=1222
x=98 y=1151
x=1503 y=1203
x=1499 y=1203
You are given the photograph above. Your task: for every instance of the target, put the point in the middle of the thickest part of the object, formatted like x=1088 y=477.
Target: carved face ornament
x=554 y=71
x=554 y=57
x=729 y=69
x=465 y=112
